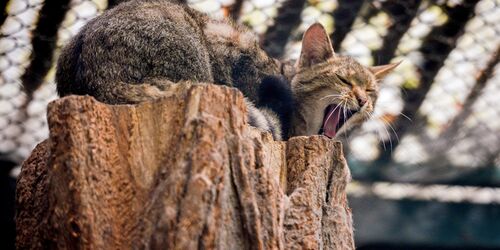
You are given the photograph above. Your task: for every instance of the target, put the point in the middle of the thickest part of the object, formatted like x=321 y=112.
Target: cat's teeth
x=331 y=121
x=334 y=120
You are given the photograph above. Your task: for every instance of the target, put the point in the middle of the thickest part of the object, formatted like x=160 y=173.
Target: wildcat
x=136 y=50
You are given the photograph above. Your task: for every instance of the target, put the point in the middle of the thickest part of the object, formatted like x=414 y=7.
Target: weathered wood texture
x=182 y=172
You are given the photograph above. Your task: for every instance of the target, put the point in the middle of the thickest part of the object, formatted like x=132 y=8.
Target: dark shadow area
x=424 y=224
x=417 y=247
x=7 y=196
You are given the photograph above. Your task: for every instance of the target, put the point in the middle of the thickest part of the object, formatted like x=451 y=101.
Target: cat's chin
x=337 y=121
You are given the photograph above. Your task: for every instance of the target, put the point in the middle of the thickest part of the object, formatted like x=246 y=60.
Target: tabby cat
x=136 y=50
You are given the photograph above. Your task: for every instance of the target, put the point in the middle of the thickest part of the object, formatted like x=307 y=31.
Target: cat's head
x=333 y=93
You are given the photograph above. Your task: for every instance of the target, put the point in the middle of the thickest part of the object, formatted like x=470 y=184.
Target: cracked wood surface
x=181 y=172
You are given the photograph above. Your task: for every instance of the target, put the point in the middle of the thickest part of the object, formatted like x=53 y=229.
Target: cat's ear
x=382 y=71
x=316 y=46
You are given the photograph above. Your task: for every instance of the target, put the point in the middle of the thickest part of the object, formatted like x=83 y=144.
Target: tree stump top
x=183 y=172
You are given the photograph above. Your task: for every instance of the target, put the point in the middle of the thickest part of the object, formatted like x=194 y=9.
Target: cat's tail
x=126 y=93
x=273 y=112
x=150 y=89
x=277 y=102
x=117 y=92
x=264 y=119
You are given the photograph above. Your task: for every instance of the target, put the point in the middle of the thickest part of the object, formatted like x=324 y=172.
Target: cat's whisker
x=380 y=137
x=339 y=112
x=327 y=96
x=345 y=107
x=339 y=98
x=389 y=136
x=338 y=105
x=405 y=116
x=336 y=98
x=394 y=131
x=379 y=132
x=386 y=123
x=344 y=113
x=399 y=113
x=376 y=121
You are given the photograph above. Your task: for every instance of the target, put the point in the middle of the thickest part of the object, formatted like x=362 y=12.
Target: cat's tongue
x=331 y=121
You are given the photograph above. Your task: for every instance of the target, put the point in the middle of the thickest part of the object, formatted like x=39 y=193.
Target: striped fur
x=139 y=50
x=324 y=78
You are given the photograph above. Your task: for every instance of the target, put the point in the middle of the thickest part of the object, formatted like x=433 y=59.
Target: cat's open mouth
x=335 y=117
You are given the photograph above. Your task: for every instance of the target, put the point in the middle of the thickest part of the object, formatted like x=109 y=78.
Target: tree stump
x=181 y=172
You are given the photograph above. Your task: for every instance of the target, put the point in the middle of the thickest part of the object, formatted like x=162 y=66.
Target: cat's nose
x=360 y=95
x=361 y=100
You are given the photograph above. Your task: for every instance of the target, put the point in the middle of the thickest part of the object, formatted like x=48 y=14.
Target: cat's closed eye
x=343 y=80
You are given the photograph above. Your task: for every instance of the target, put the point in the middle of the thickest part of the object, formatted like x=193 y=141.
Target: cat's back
x=159 y=15
x=132 y=42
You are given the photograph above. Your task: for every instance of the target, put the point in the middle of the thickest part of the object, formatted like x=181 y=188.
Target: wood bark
x=181 y=172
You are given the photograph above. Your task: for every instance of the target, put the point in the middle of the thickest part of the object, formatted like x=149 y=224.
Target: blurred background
x=426 y=167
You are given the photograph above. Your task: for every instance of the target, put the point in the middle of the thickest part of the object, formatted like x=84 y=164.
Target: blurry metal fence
x=438 y=116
